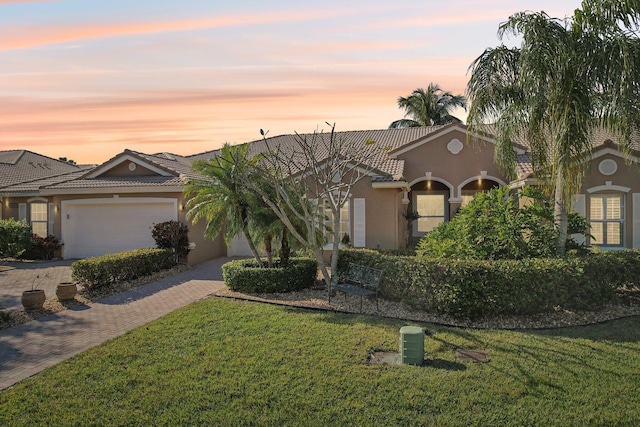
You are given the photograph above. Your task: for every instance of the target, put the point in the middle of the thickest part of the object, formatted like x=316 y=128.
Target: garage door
x=93 y=227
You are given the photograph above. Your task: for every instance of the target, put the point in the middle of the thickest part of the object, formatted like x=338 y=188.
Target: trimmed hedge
x=244 y=275
x=119 y=267
x=474 y=288
x=15 y=237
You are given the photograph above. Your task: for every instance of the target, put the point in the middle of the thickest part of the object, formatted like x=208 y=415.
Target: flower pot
x=66 y=291
x=33 y=299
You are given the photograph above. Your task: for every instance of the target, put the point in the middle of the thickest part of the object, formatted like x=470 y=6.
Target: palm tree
x=568 y=78
x=219 y=198
x=428 y=107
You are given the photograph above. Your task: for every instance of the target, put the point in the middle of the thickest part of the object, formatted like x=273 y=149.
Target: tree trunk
x=245 y=231
x=285 y=249
x=336 y=247
x=268 y=248
x=560 y=215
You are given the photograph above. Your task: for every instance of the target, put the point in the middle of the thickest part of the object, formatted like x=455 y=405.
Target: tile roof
x=118 y=182
x=18 y=166
x=386 y=139
x=24 y=171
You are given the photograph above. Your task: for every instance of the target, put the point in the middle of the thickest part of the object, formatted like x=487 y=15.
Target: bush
x=42 y=248
x=476 y=288
x=172 y=235
x=245 y=276
x=119 y=267
x=494 y=226
x=15 y=237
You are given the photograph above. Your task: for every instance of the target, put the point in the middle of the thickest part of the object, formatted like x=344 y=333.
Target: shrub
x=494 y=226
x=172 y=235
x=42 y=247
x=119 y=267
x=245 y=276
x=476 y=288
x=15 y=237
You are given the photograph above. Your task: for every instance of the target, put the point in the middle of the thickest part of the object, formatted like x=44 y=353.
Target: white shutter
x=50 y=218
x=636 y=220
x=22 y=212
x=579 y=206
x=359 y=224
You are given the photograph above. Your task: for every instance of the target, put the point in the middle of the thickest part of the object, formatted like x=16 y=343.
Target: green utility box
x=411 y=345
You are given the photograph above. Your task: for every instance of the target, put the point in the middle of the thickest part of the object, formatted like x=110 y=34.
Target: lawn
x=225 y=362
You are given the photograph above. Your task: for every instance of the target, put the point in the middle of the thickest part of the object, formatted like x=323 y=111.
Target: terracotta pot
x=66 y=291
x=33 y=299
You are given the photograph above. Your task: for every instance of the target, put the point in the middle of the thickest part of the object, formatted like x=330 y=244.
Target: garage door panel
x=97 y=229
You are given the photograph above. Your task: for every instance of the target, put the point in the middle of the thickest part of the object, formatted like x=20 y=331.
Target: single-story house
x=430 y=170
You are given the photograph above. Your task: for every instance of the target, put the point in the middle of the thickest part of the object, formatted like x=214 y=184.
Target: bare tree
x=310 y=178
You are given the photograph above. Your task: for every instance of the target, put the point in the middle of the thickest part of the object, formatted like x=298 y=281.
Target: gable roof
x=602 y=141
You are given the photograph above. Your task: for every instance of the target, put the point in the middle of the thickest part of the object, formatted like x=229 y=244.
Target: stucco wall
x=205 y=248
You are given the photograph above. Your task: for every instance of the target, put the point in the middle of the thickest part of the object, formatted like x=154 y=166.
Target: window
x=431 y=211
x=38 y=218
x=344 y=221
x=468 y=195
x=607 y=219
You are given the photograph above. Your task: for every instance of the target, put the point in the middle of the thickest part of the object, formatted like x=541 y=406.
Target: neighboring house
x=107 y=208
x=432 y=171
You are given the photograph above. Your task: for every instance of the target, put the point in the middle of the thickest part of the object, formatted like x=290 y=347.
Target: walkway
x=28 y=349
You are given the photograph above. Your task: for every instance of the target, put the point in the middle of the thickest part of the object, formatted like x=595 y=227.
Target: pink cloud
x=20 y=37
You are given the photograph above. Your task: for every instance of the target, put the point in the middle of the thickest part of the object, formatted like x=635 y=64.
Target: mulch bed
x=559 y=318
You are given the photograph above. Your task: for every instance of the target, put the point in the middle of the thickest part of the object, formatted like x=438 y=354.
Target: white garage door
x=239 y=247
x=93 y=227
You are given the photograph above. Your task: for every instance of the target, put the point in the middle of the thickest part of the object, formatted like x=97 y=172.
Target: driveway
x=29 y=348
x=18 y=276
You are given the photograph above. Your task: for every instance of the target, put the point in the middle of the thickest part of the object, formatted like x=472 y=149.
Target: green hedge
x=244 y=275
x=473 y=288
x=119 y=267
x=15 y=237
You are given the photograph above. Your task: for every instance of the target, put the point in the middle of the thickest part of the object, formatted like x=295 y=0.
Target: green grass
x=223 y=362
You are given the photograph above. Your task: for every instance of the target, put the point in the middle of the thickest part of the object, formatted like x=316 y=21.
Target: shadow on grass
x=446 y=365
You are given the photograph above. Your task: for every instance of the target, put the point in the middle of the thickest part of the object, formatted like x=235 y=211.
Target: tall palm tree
x=567 y=78
x=219 y=198
x=428 y=107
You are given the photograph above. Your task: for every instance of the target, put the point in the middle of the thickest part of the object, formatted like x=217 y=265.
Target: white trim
x=635 y=220
x=50 y=217
x=608 y=186
x=483 y=175
x=359 y=223
x=523 y=182
x=37 y=199
x=127 y=157
x=22 y=211
x=604 y=151
x=428 y=177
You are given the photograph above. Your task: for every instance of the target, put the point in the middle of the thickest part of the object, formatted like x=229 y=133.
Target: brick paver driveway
x=18 y=276
x=29 y=348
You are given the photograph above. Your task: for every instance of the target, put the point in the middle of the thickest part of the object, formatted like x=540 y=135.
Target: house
x=429 y=170
x=101 y=209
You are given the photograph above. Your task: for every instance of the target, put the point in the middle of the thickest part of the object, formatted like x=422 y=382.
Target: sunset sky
x=87 y=79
